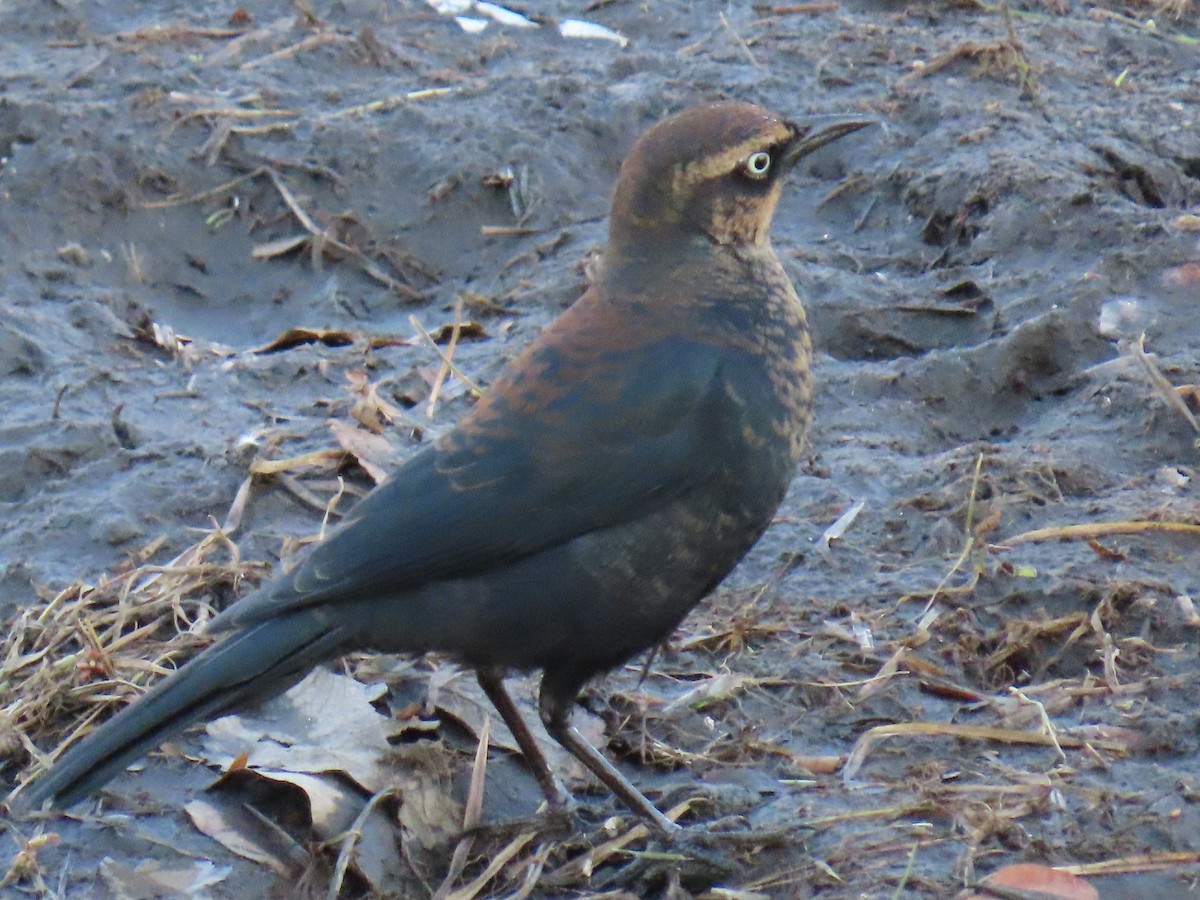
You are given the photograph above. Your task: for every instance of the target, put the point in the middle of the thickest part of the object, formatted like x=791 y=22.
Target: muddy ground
x=977 y=268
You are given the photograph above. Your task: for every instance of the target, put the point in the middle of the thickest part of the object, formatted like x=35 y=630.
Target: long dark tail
x=254 y=664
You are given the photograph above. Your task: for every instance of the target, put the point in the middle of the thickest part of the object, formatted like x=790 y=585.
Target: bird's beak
x=813 y=136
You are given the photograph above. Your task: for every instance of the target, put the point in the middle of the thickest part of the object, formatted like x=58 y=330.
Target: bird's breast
x=754 y=312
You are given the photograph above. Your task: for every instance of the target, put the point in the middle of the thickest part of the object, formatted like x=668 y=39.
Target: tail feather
x=260 y=662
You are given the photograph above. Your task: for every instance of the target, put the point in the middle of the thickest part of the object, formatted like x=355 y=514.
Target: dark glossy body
x=611 y=477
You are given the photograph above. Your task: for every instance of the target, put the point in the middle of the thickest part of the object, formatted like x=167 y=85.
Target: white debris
x=578 y=28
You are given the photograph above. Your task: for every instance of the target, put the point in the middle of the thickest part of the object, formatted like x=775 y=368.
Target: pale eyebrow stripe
x=703 y=169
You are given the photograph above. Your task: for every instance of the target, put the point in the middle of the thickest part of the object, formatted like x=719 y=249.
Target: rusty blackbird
x=615 y=472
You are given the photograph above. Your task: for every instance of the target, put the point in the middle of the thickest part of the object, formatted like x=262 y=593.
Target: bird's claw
x=702 y=854
x=733 y=832
x=559 y=821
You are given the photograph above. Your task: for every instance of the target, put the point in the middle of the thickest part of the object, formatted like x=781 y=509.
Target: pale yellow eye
x=757 y=165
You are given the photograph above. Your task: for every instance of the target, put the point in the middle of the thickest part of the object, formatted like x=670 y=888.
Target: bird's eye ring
x=757 y=164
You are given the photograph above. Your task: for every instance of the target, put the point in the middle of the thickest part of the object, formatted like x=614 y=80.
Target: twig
x=321 y=239
x=1096 y=530
x=206 y=195
x=1165 y=390
x=446 y=360
x=968 y=545
x=498 y=862
x=444 y=369
x=738 y=39
x=472 y=812
x=386 y=103
x=313 y=40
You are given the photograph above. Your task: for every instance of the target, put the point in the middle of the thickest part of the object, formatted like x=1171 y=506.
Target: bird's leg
x=555 y=706
x=492 y=683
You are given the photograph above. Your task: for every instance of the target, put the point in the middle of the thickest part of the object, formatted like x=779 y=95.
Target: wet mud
x=1003 y=280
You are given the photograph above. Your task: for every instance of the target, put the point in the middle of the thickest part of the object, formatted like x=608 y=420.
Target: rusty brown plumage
x=609 y=479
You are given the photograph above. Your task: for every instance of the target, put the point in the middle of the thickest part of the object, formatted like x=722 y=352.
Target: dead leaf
x=370 y=409
x=334 y=808
x=818 y=765
x=466 y=331
x=153 y=878
x=373 y=452
x=428 y=814
x=318 y=461
x=1042 y=880
x=280 y=247
x=1182 y=276
x=326 y=723
x=296 y=337
x=709 y=691
x=236 y=837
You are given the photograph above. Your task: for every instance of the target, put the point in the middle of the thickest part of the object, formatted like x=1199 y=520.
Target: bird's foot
x=736 y=831
x=557 y=822
x=701 y=854
x=679 y=857
x=718 y=817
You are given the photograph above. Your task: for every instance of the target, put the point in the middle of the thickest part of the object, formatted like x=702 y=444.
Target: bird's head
x=711 y=172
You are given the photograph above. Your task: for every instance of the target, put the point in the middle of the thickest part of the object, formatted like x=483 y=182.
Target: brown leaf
x=295 y=337
x=466 y=331
x=154 y=878
x=428 y=814
x=371 y=410
x=280 y=247
x=372 y=451
x=326 y=723
x=1182 y=276
x=1041 y=880
x=225 y=830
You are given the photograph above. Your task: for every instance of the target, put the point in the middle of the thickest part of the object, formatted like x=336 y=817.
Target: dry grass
x=753 y=660
x=71 y=657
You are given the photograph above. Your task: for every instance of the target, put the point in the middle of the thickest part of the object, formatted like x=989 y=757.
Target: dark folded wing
x=537 y=465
